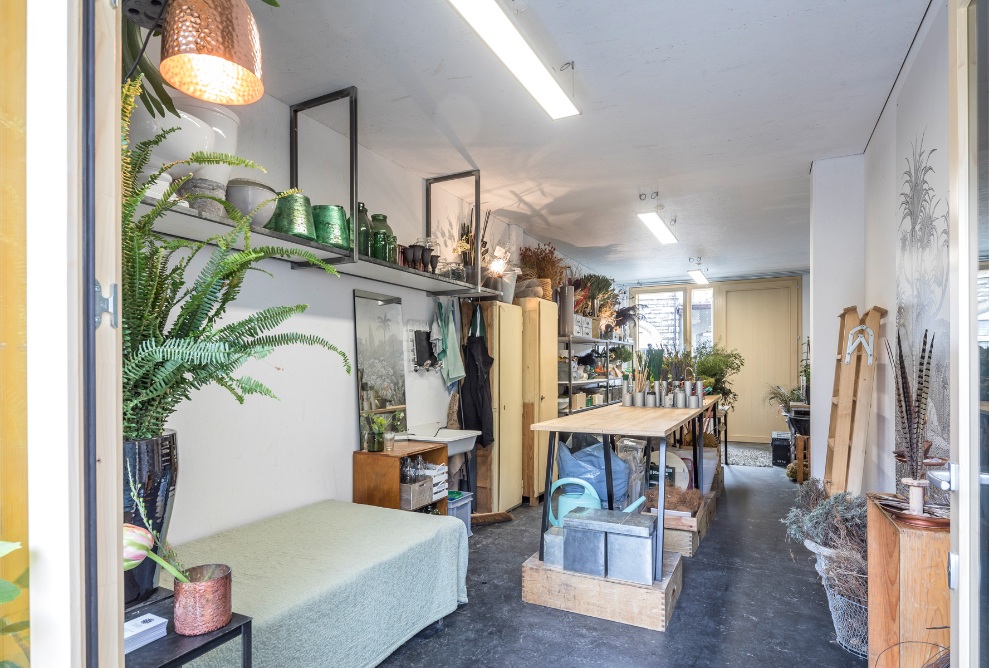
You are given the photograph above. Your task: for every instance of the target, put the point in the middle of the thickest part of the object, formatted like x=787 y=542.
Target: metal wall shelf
x=589 y=340
x=187 y=223
x=614 y=382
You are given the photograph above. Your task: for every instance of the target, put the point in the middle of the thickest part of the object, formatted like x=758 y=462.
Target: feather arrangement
x=911 y=402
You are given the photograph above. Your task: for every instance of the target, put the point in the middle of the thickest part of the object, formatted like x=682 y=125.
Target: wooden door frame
x=963 y=188
x=61 y=196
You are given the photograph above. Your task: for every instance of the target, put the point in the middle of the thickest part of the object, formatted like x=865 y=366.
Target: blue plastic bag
x=588 y=464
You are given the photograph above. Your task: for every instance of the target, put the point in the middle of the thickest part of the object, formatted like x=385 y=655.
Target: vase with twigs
x=911 y=415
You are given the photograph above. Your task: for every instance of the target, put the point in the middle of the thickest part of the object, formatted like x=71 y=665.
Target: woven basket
x=851 y=622
x=547 y=286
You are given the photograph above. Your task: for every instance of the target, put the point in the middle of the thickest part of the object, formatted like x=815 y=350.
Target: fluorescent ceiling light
x=490 y=22
x=658 y=227
x=698 y=276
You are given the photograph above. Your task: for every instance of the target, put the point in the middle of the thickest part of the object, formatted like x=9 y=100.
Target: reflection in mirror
x=380 y=366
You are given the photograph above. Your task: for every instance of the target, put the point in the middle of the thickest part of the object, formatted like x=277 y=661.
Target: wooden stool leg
x=801 y=454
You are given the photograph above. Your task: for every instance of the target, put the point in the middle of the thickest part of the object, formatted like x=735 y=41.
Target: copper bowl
x=203 y=604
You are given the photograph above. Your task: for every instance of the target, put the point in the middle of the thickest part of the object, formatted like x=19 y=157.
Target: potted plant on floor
x=173 y=340
x=775 y=394
x=834 y=529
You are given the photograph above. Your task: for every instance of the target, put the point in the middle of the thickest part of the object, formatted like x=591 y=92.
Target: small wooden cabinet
x=539 y=389
x=499 y=465
x=909 y=601
x=377 y=475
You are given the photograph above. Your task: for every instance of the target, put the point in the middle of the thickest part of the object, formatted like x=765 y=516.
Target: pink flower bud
x=137 y=542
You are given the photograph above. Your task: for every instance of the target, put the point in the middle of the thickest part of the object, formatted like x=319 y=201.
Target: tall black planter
x=799 y=425
x=153 y=463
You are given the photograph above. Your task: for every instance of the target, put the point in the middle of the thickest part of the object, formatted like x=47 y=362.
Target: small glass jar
x=389 y=441
x=376 y=443
x=379 y=245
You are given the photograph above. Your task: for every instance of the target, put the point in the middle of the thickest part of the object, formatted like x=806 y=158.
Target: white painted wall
x=858 y=266
x=242 y=463
x=837 y=254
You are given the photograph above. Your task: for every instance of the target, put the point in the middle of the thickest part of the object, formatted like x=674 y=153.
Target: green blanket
x=336 y=584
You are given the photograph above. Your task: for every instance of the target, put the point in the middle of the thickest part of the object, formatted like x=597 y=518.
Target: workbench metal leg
x=725 y=418
x=606 y=443
x=698 y=442
x=648 y=454
x=246 y=651
x=657 y=557
x=547 y=497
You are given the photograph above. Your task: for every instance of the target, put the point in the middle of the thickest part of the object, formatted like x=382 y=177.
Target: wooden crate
x=648 y=607
x=417 y=494
x=718 y=483
x=684 y=534
x=909 y=601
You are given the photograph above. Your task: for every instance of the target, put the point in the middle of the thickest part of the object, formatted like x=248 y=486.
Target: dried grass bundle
x=847 y=570
x=542 y=262
x=684 y=500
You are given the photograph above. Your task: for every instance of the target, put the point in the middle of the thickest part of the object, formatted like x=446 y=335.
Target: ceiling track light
x=490 y=22
x=659 y=227
x=697 y=274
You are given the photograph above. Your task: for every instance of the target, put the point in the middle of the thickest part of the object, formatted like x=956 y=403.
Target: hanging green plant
x=173 y=339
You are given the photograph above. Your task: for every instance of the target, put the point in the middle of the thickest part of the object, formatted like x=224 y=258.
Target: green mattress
x=336 y=584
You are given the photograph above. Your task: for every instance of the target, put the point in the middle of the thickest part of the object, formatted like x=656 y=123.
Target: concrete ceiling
x=718 y=107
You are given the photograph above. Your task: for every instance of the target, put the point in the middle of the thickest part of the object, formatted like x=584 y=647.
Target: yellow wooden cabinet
x=539 y=389
x=499 y=465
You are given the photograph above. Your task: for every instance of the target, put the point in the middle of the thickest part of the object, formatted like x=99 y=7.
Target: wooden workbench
x=651 y=424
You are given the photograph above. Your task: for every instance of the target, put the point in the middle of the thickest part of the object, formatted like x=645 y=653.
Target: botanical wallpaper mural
x=922 y=230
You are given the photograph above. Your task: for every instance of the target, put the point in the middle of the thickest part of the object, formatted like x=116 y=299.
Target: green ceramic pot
x=331 y=225
x=293 y=215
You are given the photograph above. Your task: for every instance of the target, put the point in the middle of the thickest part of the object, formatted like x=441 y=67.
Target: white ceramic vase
x=192 y=135
x=225 y=124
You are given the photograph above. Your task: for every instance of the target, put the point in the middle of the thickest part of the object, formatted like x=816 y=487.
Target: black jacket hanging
x=475 y=395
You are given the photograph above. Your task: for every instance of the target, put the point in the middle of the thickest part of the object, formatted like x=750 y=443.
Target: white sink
x=457 y=441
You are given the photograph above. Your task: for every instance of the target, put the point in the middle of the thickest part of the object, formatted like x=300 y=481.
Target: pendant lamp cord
x=147 y=38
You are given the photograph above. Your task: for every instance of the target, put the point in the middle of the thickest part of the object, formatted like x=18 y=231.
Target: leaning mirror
x=380 y=367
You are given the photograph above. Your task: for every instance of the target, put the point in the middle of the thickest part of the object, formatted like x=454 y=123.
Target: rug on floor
x=749 y=454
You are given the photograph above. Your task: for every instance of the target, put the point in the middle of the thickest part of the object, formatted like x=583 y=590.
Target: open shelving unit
x=607 y=381
x=187 y=223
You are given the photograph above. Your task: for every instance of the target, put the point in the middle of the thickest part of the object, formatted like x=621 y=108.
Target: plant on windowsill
x=173 y=302
x=717 y=365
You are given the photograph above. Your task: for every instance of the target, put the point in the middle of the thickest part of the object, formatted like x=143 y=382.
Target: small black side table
x=175 y=650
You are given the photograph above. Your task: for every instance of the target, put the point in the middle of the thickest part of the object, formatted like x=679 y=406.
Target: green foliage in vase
x=775 y=394
x=716 y=362
x=173 y=340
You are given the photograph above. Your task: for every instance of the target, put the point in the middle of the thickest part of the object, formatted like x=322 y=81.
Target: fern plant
x=173 y=341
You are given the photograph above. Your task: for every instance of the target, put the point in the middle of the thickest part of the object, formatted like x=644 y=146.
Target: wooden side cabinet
x=539 y=389
x=909 y=601
x=378 y=475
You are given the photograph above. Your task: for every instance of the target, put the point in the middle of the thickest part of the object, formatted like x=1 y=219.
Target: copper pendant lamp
x=211 y=50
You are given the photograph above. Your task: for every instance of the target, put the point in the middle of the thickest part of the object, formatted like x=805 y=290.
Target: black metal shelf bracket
x=476 y=175
x=350 y=94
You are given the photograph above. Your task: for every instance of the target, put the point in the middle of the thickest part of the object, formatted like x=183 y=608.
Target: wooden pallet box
x=684 y=534
x=645 y=606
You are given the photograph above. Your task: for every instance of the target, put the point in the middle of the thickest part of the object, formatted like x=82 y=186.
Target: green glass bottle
x=363 y=230
x=381 y=236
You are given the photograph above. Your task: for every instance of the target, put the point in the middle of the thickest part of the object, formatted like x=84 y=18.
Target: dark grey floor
x=749 y=599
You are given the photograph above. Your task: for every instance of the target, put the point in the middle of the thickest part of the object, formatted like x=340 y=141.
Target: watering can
x=585 y=499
